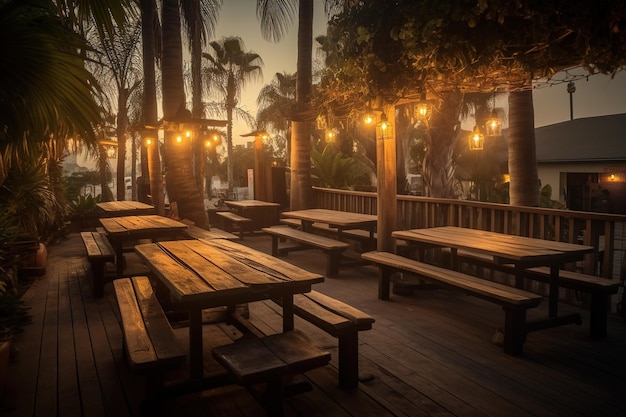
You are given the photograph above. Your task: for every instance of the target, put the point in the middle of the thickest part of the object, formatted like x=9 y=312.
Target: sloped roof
x=591 y=139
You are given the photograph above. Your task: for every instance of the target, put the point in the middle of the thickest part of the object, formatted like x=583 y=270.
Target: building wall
x=610 y=176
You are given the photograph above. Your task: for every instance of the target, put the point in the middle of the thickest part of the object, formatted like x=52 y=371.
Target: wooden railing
x=593 y=229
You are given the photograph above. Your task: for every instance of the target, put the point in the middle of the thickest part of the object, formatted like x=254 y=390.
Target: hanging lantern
x=476 y=140
x=493 y=125
x=384 y=129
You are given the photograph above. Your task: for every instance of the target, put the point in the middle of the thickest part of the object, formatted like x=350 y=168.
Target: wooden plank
x=139 y=349
x=181 y=281
x=265 y=262
x=91 y=245
x=305 y=237
x=339 y=307
x=217 y=278
x=103 y=244
x=163 y=340
x=250 y=361
x=320 y=316
x=491 y=290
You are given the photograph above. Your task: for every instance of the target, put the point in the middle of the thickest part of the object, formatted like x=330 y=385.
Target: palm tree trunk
x=181 y=186
x=148 y=10
x=122 y=123
x=300 y=182
x=439 y=160
x=524 y=185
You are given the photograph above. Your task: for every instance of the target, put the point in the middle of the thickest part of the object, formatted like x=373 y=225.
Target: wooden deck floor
x=429 y=355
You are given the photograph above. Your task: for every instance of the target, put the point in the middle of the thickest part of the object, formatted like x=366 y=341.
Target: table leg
x=519 y=277
x=288 y=313
x=554 y=291
x=196 y=365
x=118 y=246
x=454 y=259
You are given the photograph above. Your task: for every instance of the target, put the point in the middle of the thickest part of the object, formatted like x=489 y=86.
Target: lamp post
x=571 y=89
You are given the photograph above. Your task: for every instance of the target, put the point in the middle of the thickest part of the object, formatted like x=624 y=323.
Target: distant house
x=584 y=160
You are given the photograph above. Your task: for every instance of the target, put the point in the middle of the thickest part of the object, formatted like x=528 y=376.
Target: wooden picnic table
x=130 y=228
x=340 y=220
x=522 y=252
x=261 y=213
x=124 y=208
x=214 y=273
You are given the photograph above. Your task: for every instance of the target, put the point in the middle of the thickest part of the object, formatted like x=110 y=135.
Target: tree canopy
x=402 y=47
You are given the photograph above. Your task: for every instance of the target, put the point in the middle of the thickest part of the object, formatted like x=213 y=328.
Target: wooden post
x=387 y=188
x=259 y=169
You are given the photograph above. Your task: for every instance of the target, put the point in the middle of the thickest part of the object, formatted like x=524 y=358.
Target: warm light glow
x=111 y=152
x=612 y=177
x=148 y=141
x=476 y=140
x=179 y=139
x=384 y=129
x=422 y=110
x=330 y=135
x=188 y=134
x=493 y=125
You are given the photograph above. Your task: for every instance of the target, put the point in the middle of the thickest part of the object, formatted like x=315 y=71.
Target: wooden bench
x=270 y=359
x=149 y=341
x=229 y=219
x=340 y=320
x=515 y=302
x=600 y=289
x=333 y=248
x=359 y=235
x=99 y=252
x=196 y=232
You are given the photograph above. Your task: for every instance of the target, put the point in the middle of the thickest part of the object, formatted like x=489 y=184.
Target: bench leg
x=349 y=360
x=97 y=270
x=332 y=263
x=384 y=282
x=514 y=331
x=274 y=246
x=598 y=315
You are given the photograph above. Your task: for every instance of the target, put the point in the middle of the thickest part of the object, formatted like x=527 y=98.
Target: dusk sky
x=599 y=95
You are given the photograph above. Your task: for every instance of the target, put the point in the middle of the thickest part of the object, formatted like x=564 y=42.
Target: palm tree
x=150 y=30
x=44 y=87
x=117 y=70
x=274 y=101
x=199 y=19
x=524 y=185
x=231 y=67
x=181 y=187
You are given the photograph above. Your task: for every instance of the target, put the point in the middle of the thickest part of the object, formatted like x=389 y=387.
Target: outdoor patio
x=429 y=353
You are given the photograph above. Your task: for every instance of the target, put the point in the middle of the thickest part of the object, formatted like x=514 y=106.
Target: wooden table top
x=130 y=224
x=213 y=273
x=334 y=217
x=499 y=245
x=125 y=208
x=250 y=203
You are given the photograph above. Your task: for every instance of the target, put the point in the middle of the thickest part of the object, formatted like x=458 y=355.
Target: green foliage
x=26 y=195
x=83 y=207
x=393 y=49
x=331 y=168
x=9 y=231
